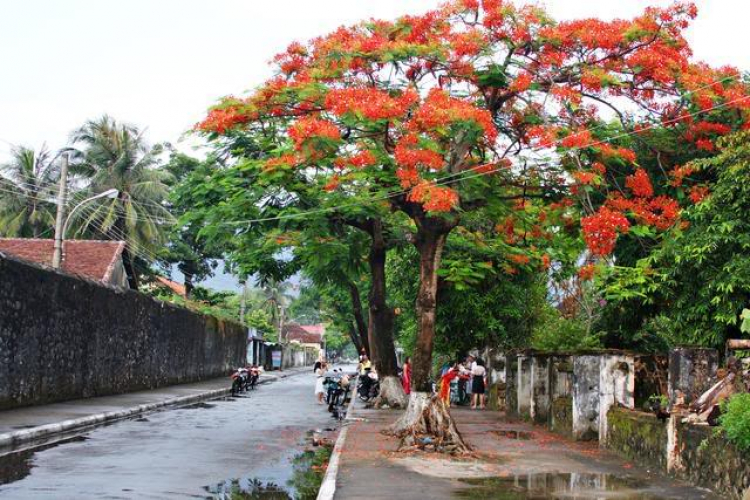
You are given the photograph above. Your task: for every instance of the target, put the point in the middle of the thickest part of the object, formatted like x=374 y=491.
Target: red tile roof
x=172 y=285
x=91 y=259
x=304 y=334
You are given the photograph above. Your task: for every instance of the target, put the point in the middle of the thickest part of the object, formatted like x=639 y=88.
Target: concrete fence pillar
x=586 y=379
x=511 y=384
x=691 y=372
x=524 y=386
x=540 y=388
x=616 y=387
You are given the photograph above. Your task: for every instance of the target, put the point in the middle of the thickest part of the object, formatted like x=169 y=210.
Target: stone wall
x=63 y=338
x=639 y=436
x=709 y=460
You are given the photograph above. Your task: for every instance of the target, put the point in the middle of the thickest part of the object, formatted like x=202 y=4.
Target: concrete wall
x=540 y=389
x=561 y=398
x=64 y=338
x=616 y=387
x=511 y=385
x=639 y=436
x=586 y=380
x=691 y=371
x=709 y=460
x=524 y=386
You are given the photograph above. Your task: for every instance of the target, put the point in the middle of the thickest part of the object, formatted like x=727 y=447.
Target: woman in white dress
x=319 y=390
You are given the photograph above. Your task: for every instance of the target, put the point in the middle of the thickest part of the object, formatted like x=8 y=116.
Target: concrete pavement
x=33 y=423
x=510 y=460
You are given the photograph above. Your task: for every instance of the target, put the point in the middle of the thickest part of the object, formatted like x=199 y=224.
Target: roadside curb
x=12 y=439
x=328 y=486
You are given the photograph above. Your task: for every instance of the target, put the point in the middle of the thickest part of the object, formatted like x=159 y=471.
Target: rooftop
x=92 y=259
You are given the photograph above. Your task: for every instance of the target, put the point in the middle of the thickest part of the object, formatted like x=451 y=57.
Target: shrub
x=736 y=421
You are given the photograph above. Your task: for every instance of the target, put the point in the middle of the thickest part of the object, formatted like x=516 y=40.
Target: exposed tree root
x=391 y=394
x=427 y=425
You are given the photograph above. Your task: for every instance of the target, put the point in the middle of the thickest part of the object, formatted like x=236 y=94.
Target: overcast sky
x=160 y=63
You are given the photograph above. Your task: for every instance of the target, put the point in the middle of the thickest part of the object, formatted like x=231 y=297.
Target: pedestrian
x=319 y=389
x=445 y=384
x=406 y=375
x=478 y=374
x=364 y=364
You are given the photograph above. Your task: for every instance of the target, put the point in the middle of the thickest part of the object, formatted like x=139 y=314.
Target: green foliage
x=735 y=421
x=553 y=332
x=26 y=183
x=478 y=304
x=704 y=269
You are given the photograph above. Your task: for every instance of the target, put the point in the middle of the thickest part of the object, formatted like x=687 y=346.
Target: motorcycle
x=369 y=386
x=240 y=379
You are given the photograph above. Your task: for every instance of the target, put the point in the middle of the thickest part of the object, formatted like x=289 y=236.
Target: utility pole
x=62 y=195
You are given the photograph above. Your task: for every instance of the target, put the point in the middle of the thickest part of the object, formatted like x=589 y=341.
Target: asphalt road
x=189 y=452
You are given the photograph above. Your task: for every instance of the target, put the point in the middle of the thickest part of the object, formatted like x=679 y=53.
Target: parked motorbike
x=368 y=387
x=240 y=379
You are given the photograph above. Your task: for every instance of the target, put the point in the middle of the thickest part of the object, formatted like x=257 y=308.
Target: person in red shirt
x=406 y=375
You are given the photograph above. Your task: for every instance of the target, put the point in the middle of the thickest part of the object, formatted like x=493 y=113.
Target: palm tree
x=276 y=299
x=27 y=189
x=113 y=155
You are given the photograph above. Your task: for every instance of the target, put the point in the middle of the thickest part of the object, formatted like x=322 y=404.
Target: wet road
x=189 y=452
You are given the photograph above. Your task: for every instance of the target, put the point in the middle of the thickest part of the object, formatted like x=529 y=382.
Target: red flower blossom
x=587 y=272
x=698 y=193
x=307 y=128
x=640 y=184
x=433 y=198
x=369 y=104
x=577 y=140
x=600 y=230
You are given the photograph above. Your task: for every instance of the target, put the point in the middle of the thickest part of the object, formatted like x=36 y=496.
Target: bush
x=736 y=421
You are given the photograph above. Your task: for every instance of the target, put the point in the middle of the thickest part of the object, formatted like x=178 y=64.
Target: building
x=99 y=261
x=312 y=336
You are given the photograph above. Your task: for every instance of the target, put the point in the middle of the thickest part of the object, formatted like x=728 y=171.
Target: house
x=305 y=335
x=99 y=261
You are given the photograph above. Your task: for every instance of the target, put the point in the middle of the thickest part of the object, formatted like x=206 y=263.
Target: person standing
x=406 y=375
x=478 y=374
x=319 y=389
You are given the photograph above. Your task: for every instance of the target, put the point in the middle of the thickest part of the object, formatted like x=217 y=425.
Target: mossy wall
x=561 y=420
x=639 y=436
x=709 y=460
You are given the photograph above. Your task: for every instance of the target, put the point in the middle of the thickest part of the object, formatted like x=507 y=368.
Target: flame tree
x=485 y=105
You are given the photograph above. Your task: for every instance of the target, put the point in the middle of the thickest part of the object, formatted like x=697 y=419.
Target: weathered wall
x=709 y=460
x=524 y=386
x=691 y=371
x=586 y=397
x=639 y=436
x=616 y=387
x=561 y=387
x=540 y=389
x=511 y=385
x=64 y=338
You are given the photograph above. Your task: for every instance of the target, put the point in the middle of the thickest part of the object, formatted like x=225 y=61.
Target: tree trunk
x=382 y=349
x=430 y=246
x=188 y=282
x=355 y=338
x=359 y=319
x=427 y=423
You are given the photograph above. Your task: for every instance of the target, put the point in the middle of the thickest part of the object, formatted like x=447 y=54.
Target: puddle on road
x=556 y=487
x=18 y=464
x=523 y=435
x=308 y=469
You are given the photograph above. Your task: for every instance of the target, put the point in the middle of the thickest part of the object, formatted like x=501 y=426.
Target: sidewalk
x=510 y=458
x=21 y=425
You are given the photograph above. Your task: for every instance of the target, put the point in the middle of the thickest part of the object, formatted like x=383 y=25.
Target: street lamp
x=60 y=232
